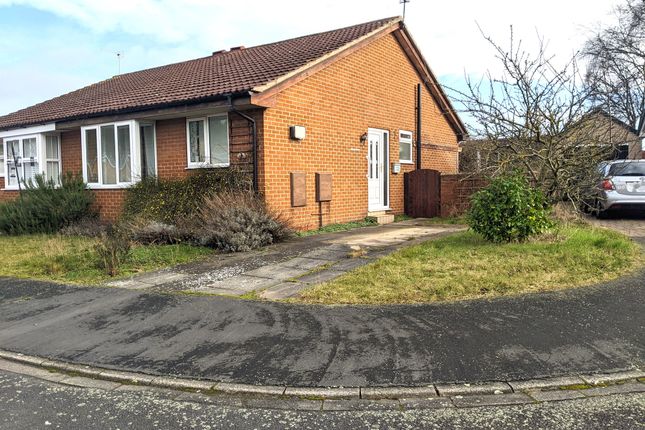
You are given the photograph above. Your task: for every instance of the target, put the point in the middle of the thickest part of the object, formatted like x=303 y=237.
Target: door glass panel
x=372 y=160
x=376 y=159
x=218 y=140
x=148 y=161
x=125 y=161
x=91 y=162
x=385 y=162
x=108 y=154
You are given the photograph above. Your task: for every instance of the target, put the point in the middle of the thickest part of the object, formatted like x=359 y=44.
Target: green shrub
x=237 y=221
x=113 y=249
x=509 y=210
x=170 y=200
x=45 y=207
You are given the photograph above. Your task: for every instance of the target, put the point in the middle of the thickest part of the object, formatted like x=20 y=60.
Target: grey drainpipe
x=254 y=139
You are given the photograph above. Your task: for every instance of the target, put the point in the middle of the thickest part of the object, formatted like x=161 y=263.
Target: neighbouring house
x=597 y=127
x=326 y=125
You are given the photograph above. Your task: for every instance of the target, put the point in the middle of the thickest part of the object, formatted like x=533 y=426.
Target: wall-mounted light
x=364 y=138
x=297 y=132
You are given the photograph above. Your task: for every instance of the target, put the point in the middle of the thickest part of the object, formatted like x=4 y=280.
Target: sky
x=51 y=47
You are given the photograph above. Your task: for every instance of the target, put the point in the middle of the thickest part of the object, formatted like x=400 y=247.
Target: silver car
x=622 y=186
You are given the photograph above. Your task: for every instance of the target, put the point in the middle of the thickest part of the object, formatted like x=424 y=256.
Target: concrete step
x=382 y=218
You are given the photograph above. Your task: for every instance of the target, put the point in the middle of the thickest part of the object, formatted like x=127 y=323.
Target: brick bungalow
x=337 y=109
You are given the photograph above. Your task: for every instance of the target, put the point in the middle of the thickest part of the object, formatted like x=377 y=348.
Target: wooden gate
x=423 y=193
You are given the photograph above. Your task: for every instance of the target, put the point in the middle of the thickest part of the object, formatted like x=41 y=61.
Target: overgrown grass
x=74 y=260
x=464 y=266
x=452 y=220
x=333 y=228
x=402 y=217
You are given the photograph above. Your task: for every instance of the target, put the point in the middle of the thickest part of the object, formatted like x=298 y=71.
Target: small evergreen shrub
x=170 y=200
x=45 y=207
x=238 y=221
x=509 y=210
x=113 y=249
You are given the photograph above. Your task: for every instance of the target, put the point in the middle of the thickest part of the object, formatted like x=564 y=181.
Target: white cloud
x=153 y=32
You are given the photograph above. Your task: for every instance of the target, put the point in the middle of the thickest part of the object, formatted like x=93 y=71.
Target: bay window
x=116 y=155
x=208 y=141
x=24 y=157
x=107 y=154
x=1 y=158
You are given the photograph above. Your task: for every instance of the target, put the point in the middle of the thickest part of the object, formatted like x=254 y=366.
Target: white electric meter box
x=297 y=132
x=396 y=168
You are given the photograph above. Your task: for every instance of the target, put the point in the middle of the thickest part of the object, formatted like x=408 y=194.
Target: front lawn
x=464 y=266
x=73 y=259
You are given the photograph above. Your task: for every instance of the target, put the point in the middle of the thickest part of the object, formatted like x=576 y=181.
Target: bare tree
x=616 y=71
x=535 y=117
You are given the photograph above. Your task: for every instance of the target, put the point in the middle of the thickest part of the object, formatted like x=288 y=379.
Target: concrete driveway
x=631 y=224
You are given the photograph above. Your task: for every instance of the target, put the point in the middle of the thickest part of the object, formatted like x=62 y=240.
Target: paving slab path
x=283 y=270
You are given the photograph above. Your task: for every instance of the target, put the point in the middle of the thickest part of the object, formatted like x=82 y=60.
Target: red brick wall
x=70 y=151
x=171 y=148
x=456 y=191
x=171 y=157
x=6 y=195
x=374 y=87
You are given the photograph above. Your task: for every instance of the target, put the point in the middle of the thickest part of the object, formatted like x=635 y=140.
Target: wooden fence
x=430 y=194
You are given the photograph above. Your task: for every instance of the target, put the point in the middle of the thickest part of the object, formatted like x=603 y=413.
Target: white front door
x=377 y=172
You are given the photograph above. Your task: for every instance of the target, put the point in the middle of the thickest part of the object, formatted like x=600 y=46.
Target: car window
x=627 y=169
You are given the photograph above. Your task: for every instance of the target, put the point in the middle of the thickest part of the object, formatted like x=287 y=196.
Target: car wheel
x=598 y=210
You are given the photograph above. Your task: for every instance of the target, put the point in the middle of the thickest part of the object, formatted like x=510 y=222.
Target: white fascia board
x=37 y=129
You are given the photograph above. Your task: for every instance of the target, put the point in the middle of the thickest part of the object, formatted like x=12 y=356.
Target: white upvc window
x=208 y=141
x=405 y=147
x=52 y=158
x=109 y=154
x=26 y=156
x=1 y=159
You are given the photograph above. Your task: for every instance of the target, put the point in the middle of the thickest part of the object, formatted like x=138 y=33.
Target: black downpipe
x=418 y=133
x=254 y=141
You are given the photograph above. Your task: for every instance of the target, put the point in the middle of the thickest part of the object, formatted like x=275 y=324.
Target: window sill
x=207 y=166
x=109 y=187
x=405 y=162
